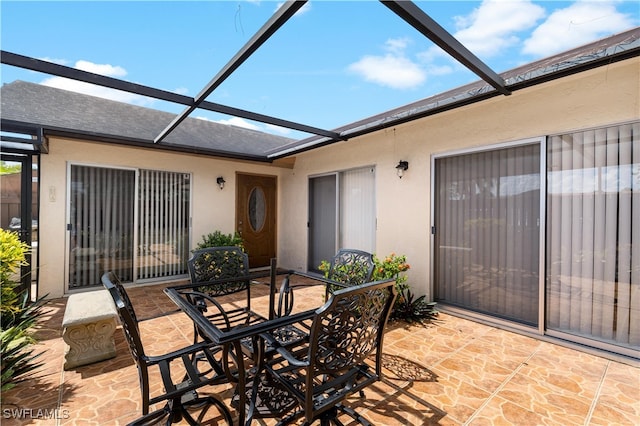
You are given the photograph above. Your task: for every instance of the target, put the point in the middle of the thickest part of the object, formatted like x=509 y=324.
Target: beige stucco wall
x=212 y=208
x=604 y=96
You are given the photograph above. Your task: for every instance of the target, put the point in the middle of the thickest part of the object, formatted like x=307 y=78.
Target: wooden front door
x=256 y=217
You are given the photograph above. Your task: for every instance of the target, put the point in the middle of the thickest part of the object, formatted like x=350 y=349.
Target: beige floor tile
x=450 y=371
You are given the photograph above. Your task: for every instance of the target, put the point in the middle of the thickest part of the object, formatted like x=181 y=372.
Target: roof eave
x=47 y=131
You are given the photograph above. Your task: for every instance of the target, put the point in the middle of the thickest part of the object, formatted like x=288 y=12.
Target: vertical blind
x=101 y=224
x=358 y=209
x=163 y=227
x=593 y=258
x=487 y=232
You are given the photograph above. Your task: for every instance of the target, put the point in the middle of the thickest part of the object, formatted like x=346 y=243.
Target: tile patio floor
x=449 y=372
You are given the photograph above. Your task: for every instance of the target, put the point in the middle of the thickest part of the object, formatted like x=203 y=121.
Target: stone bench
x=89 y=322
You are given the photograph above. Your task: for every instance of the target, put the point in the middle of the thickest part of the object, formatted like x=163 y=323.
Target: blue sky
x=333 y=63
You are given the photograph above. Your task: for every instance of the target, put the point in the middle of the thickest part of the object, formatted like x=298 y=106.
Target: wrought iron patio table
x=244 y=346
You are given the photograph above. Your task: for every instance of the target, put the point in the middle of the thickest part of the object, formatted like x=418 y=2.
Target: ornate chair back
x=346 y=332
x=212 y=267
x=350 y=267
x=218 y=263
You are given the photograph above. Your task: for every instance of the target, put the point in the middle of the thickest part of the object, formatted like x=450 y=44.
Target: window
x=107 y=234
x=163 y=226
x=342 y=214
x=593 y=253
x=486 y=242
x=487 y=232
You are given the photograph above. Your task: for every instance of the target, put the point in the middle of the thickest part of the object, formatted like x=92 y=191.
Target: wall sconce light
x=402 y=167
x=220 y=181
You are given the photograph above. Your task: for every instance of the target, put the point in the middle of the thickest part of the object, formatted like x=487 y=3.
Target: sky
x=333 y=63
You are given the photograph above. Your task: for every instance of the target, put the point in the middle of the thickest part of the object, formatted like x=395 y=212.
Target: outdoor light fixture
x=402 y=167
x=220 y=182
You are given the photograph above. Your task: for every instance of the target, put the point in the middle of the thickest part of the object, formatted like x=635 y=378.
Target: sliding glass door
x=101 y=218
x=593 y=259
x=163 y=225
x=323 y=219
x=357 y=209
x=487 y=235
x=342 y=214
x=135 y=223
x=487 y=212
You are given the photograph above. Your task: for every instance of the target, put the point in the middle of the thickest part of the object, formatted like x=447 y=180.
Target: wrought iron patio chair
x=214 y=264
x=220 y=271
x=180 y=395
x=350 y=267
x=347 y=268
x=346 y=337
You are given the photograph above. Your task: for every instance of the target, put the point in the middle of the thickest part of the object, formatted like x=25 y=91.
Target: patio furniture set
x=298 y=366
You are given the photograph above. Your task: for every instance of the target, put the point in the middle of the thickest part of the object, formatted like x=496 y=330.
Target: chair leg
x=175 y=411
x=205 y=401
x=353 y=414
x=152 y=418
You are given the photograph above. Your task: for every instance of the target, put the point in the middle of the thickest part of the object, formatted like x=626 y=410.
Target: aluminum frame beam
x=278 y=19
x=422 y=22
x=13 y=59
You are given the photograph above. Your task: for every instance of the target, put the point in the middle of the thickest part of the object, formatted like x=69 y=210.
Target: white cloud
x=578 y=24
x=493 y=26
x=277 y=129
x=393 y=69
x=435 y=70
x=55 y=61
x=181 y=90
x=94 y=90
x=241 y=122
x=236 y=121
x=397 y=45
x=488 y=31
x=102 y=69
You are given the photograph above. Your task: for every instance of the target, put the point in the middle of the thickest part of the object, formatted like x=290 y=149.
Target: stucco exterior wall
x=599 y=97
x=212 y=208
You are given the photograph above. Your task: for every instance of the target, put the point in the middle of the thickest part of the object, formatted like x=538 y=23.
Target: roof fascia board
x=13 y=59
x=418 y=19
x=277 y=20
x=7 y=125
x=610 y=55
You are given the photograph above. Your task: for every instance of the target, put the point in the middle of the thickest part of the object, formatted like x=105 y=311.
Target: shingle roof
x=64 y=111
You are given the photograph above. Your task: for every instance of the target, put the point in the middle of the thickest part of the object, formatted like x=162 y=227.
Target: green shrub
x=18 y=315
x=392 y=266
x=410 y=310
x=12 y=257
x=218 y=239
